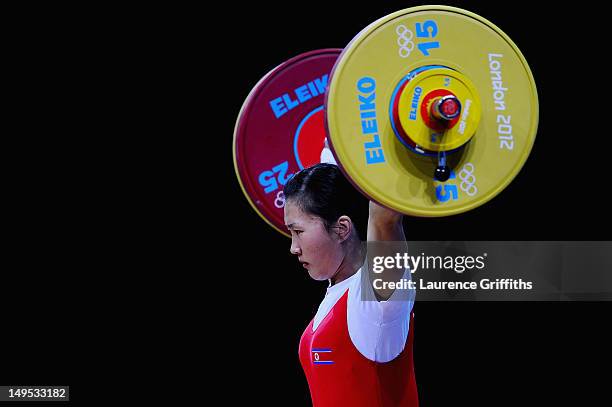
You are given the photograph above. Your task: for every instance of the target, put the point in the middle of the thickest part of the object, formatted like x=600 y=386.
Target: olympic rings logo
x=404 y=40
x=466 y=175
x=279 y=202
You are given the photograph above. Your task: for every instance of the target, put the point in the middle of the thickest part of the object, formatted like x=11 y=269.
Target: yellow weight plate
x=358 y=110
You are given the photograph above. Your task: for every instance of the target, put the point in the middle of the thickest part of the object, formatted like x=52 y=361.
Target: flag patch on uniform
x=321 y=356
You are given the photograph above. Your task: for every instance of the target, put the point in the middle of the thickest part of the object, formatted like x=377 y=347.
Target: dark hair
x=323 y=191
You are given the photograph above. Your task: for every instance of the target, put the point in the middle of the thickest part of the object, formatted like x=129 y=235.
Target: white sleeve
x=326 y=155
x=378 y=329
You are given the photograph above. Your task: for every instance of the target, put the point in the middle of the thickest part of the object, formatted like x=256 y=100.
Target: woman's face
x=318 y=250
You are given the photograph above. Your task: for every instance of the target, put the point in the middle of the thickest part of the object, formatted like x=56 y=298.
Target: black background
x=127 y=213
x=465 y=353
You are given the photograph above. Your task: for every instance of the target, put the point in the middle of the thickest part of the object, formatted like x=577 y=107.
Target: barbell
x=430 y=111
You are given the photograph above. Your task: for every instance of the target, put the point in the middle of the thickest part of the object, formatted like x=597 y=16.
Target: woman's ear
x=344 y=227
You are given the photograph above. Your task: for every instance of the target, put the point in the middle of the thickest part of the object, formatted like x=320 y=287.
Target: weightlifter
x=354 y=352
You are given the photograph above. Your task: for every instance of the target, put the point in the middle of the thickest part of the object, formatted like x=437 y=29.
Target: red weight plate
x=280 y=130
